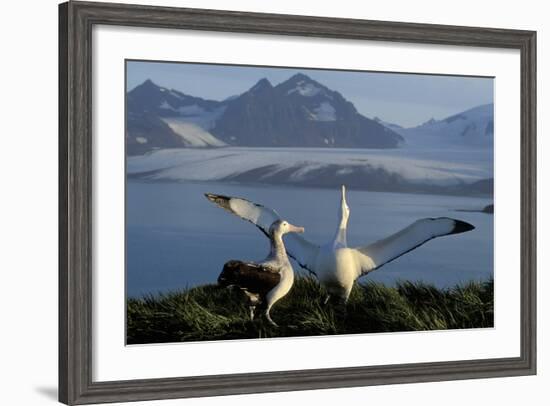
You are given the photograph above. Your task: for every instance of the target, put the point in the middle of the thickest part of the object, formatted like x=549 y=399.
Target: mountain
x=147 y=131
x=471 y=128
x=159 y=118
x=151 y=98
x=299 y=112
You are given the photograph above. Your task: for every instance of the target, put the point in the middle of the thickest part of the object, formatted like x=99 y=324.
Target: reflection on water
x=175 y=238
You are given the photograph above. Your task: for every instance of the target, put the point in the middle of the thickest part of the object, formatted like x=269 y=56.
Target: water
x=177 y=239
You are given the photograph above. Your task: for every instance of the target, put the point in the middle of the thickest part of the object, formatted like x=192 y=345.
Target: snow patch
x=470 y=129
x=325 y=112
x=191 y=110
x=427 y=167
x=344 y=171
x=141 y=140
x=195 y=114
x=165 y=106
x=199 y=116
x=303 y=168
x=176 y=95
x=305 y=89
x=192 y=134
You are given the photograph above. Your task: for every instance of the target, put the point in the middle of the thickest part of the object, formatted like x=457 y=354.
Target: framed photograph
x=258 y=202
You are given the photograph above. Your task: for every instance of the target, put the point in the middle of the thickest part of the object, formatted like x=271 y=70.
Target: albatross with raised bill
x=265 y=282
x=336 y=265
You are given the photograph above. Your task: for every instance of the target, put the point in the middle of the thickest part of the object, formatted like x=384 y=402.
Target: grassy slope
x=213 y=313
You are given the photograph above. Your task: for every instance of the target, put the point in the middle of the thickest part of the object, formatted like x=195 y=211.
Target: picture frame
x=76 y=351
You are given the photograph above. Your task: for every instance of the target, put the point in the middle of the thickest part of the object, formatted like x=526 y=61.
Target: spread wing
x=263 y=217
x=375 y=255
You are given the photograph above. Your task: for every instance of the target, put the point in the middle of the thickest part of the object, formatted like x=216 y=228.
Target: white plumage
x=335 y=264
x=268 y=281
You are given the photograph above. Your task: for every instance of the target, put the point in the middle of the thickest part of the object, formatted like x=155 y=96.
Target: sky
x=399 y=98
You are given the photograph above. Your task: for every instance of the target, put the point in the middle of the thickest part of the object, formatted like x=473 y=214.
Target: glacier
x=403 y=170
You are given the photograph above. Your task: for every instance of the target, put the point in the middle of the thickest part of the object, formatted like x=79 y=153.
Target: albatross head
x=281 y=227
x=344 y=208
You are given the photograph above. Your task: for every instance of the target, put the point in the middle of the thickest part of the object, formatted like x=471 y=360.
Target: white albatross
x=268 y=281
x=336 y=265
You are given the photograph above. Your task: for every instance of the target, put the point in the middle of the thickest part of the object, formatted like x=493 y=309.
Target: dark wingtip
x=461 y=227
x=220 y=200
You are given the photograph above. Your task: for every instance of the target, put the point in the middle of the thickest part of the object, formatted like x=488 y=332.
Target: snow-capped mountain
x=158 y=118
x=164 y=102
x=299 y=112
x=471 y=128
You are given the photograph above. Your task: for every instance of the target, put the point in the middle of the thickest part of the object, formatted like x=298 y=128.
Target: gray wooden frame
x=76 y=20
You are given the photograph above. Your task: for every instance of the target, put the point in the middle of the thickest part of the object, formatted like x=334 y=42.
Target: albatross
x=268 y=281
x=336 y=265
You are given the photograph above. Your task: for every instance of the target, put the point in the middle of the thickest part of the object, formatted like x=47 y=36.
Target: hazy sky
x=404 y=99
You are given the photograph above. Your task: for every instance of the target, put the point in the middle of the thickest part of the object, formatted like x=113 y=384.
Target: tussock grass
x=213 y=313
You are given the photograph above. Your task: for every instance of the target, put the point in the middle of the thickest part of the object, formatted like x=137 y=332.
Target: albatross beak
x=295 y=229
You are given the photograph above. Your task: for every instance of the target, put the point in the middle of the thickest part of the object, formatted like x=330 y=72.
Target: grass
x=213 y=313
